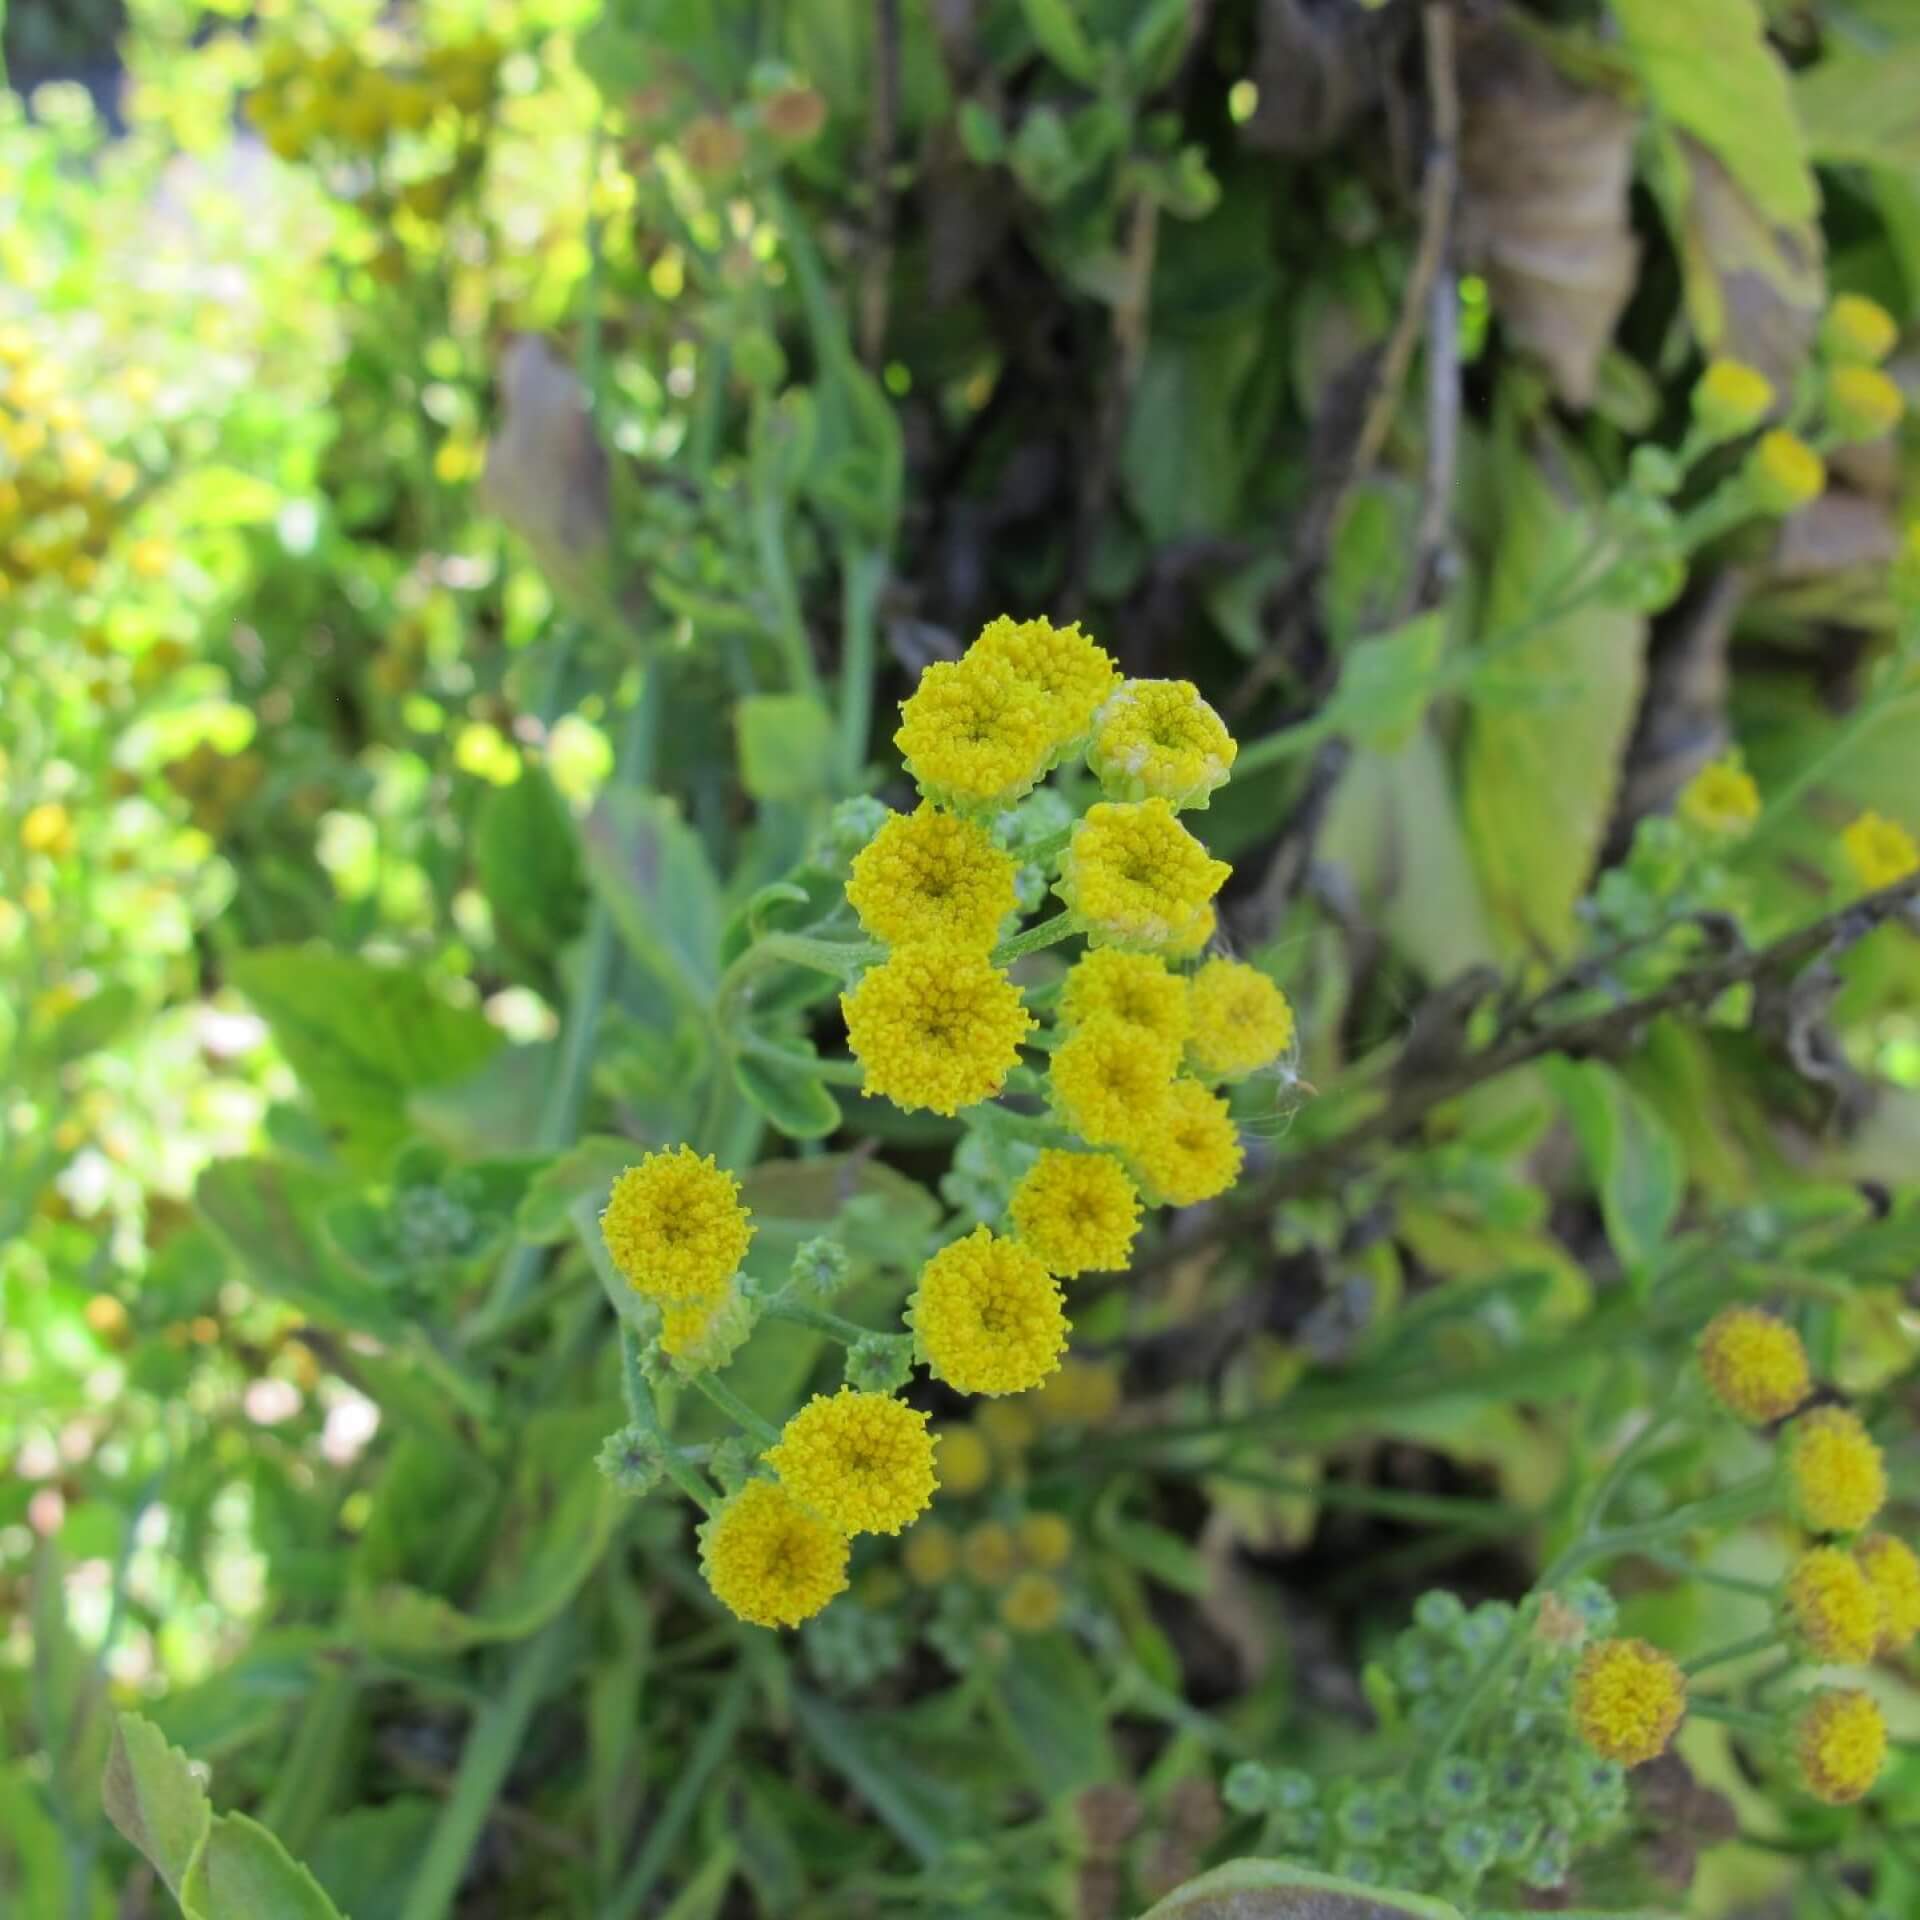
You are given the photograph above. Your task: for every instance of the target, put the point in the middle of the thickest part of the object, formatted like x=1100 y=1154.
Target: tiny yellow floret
x=1893 y=1571
x=1241 y=1021
x=1858 y=329
x=1880 y=851
x=1137 y=878
x=47 y=828
x=1110 y=1080
x=862 y=1461
x=928 y=875
x=1078 y=1211
x=1783 y=473
x=1158 y=738
x=987 y=1316
x=1066 y=668
x=1082 y=1394
x=1032 y=1603
x=771 y=1560
x=1731 y=398
x=1628 y=1698
x=988 y=1554
x=974 y=737
x=1835 y=1474
x=963 y=1461
x=1862 y=403
x=1755 y=1364
x=930 y=1554
x=1046 y=1541
x=1840 y=1741
x=1008 y=1428
x=675 y=1227
x=1136 y=988
x=1720 y=800
x=1191 y=1151
x=1829 y=1606
x=936 y=1026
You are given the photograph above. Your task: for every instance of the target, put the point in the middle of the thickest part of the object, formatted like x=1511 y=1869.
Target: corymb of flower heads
x=1880 y=851
x=1241 y=1020
x=1862 y=403
x=1628 y=1699
x=1840 y=1741
x=1836 y=1478
x=1720 y=800
x=1157 y=739
x=1893 y=1571
x=1731 y=398
x=1829 y=1606
x=1077 y=1211
x=1137 y=878
x=1858 y=329
x=1754 y=1364
x=936 y=1026
x=1137 y=989
x=1191 y=1152
x=862 y=1461
x=771 y=1559
x=1783 y=473
x=987 y=1316
x=1110 y=1080
x=1070 y=672
x=928 y=875
x=974 y=737
x=675 y=1227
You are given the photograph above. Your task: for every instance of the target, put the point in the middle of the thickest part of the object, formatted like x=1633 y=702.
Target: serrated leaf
x=244 y=1873
x=151 y=1795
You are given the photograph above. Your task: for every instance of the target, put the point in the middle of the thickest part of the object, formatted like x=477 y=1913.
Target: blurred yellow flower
x=1628 y=1698
x=928 y=875
x=1783 y=473
x=987 y=1552
x=1894 y=1573
x=1721 y=799
x=1082 y=1394
x=1880 y=851
x=771 y=1560
x=1046 y=1540
x=930 y=1554
x=1858 y=329
x=1835 y=1475
x=1862 y=403
x=1731 y=398
x=47 y=828
x=987 y=1316
x=1078 y=1211
x=935 y=1026
x=1830 y=1606
x=963 y=1463
x=862 y=1461
x=1754 y=1364
x=1840 y=1741
x=1032 y=1603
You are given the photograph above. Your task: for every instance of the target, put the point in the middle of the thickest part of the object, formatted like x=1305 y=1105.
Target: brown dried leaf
x=1318 y=69
x=546 y=473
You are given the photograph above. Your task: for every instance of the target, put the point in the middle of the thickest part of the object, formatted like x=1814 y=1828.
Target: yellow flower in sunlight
x=1046 y=1541
x=975 y=737
x=987 y=1316
x=1191 y=1149
x=675 y=1227
x=1138 y=878
x=1241 y=1020
x=1784 y=473
x=1136 y=988
x=1862 y=403
x=1082 y=1394
x=150 y=558
x=988 y=1554
x=1628 y=1698
x=47 y=828
x=928 y=875
x=1032 y=1603
x=930 y=1554
x=1754 y=1364
x=1835 y=1475
x=1109 y=1080
x=1159 y=738
x=1857 y=328
x=1830 y=1607
x=1731 y=398
x=862 y=1461
x=1880 y=851
x=771 y=1560
x=964 y=1463
x=1840 y=1741
x=1721 y=799
x=936 y=1026
x=1077 y=1211
x=1893 y=1571
x=1065 y=667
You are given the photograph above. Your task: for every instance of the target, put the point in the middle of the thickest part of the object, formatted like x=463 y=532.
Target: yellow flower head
x=936 y=1026
x=1191 y=1152
x=1834 y=1471
x=928 y=875
x=47 y=828
x=675 y=1227
x=862 y=1461
x=1046 y=1541
x=1880 y=851
x=1082 y=1394
x=1755 y=1364
x=703 y=1334
x=771 y=1560
x=965 y=1463
x=1862 y=403
x=1078 y=1212
x=1008 y=1428
x=1136 y=988
x=1032 y=1604
x=1840 y=1741
x=1731 y=398
x=987 y=1316
x=1241 y=1020
x=1893 y=1571
x=1109 y=1080
x=988 y=1554
x=1720 y=800
x=930 y=1554
x=1159 y=738
x=1138 y=878
x=1783 y=473
x=1858 y=329
x=1062 y=665
x=1628 y=1698
x=1830 y=1607
x=974 y=737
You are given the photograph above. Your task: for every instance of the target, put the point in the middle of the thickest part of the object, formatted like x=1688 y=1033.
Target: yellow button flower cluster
x=1720 y=800
x=335 y=96
x=1755 y=1364
x=1880 y=851
x=1840 y=1741
x=1628 y=1699
x=1157 y=739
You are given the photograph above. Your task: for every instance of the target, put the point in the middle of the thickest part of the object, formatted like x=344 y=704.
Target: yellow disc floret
x=1191 y=1150
x=770 y=1559
x=987 y=1316
x=929 y=875
x=936 y=1026
x=964 y=1461
x=1862 y=403
x=1835 y=1475
x=1109 y=1080
x=1830 y=1607
x=1137 y=878
x=675 y=1227
x=1731 y=398
x=1136 y=988
x=862 y=1461
x=1159 y=738
x=1046 y=1541
x=1840 y=1741
x=1077 y=1211
x=1893 y=1571
x=930 y=1554
x=1754 y=1364
x=988 y=1553
x=975 y=737
x=1858 y=329
x=1880 y=851
x=1783 y=473
x=1032 y=1603
x=1082 y=1394
x=1628 y=1698
x=1721 y=799
x=1241 y=1020
x=1071 y=673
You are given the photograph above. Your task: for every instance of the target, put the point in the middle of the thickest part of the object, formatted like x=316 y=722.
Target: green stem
x=645 y=1416
x=842 y=1073
x=737 y=1410
x=1734 y=1650
x=1063 y=926
x=1740 y=1719
x=799 y=1314
x=863 y=571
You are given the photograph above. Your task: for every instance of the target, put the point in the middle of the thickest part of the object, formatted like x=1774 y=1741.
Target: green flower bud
x=1460 y=1786
x=819 y=1270
x=633 y=1459
x=1438 y=1610
x=849 y=827
x=1470 y=1847
x=1248 y=1787
x=880 y=1363
x=1293 y=1790
x=732 y=1462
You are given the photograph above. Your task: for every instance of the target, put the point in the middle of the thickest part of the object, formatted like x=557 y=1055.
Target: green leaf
x=786 y=746
x=527 y=858
x=923 y=1810
x=650 y=868
x=1054 y=1700
x=1386 y=682
x=1632 y=1154
x=89 y=1024
x=1271 y=1890
x=791 y=1098
x=1861 y=109
x=244 y=1873
x=588 y=1168
x=1161 y=1555
x=1195 y=429
x=1055 y=25
x=366 y=1859
x=151 y=1795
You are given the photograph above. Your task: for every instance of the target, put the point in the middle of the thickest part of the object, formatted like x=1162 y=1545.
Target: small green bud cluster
x=852 y=1646
x=880 y=1363
x=631 y=1458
